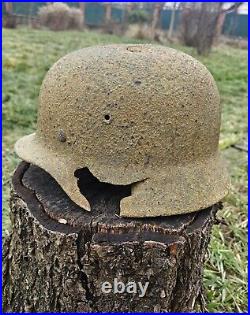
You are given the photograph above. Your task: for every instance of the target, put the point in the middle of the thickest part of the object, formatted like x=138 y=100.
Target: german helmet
x=141 y=115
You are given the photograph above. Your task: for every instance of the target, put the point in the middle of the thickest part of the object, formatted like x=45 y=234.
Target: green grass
x=28 y=54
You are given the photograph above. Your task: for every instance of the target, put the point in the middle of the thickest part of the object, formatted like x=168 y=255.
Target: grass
x=28 y=54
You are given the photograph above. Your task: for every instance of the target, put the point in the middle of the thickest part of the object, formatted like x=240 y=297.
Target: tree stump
x=58 y=256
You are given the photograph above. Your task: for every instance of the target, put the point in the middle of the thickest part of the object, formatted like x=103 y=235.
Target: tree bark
x=82 y=8
x=172 y=20
x=57 y=255
x=108 y=12
x=155 y=19
x=156 y=16
x=8 y=7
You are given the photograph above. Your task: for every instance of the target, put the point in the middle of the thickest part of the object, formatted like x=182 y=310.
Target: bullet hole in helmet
x=97 y=192
x=107 y=118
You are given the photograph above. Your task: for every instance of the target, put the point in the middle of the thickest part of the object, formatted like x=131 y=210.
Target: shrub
x=138 y=17
x=55 y=16
x=76 y=18
x=59 y=16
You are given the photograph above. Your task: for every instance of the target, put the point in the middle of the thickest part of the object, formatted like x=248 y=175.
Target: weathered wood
x=57 y=255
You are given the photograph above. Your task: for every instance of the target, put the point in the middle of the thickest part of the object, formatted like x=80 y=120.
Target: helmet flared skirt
x=171 y=190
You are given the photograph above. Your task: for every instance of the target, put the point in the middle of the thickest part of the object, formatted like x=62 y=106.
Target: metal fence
x=234 y=25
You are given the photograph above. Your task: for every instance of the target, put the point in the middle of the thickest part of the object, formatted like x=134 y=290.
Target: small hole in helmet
x=137 y=82
x=107 y=118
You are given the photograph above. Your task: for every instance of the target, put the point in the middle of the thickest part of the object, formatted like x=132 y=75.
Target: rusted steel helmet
x=132 y=114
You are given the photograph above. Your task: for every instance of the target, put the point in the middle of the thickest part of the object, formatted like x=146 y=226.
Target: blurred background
x=195 y=24
x=36 y=34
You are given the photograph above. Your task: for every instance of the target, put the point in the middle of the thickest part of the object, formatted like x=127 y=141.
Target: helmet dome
x=132 y=114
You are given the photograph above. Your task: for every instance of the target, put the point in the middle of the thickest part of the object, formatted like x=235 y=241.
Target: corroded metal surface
x=133 y=114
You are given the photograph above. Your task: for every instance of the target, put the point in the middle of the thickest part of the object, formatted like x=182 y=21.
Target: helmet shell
x=133 y=114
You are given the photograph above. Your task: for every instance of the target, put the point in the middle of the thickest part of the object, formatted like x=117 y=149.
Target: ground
x=28 y=54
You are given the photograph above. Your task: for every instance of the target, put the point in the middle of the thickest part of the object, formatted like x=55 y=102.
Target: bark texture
x=57 y=256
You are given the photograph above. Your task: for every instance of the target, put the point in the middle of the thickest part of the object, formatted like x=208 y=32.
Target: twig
x=239 y=147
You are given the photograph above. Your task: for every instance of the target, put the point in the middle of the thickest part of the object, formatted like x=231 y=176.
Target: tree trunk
x=31 y=4
x=58 y=256
x=155 y=19
x=172 y=20
x=9 y=19
x=108 y=12
x=219 y=27
x=199 y=25
x=82 y=8
x=8 y=7
x=127 y=8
